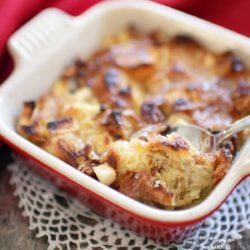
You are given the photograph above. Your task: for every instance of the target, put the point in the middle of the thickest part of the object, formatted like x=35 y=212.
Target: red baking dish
x=41 y=49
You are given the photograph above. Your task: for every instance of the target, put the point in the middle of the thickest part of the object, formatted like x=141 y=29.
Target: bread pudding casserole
x=111 y=115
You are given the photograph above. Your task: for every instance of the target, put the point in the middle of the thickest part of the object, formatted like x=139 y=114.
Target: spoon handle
x=234 y=128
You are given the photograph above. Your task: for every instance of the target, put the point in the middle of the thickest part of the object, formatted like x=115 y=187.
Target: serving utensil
x=205 y=141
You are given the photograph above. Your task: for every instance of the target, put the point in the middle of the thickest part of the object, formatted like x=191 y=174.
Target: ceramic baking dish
x=41 y=49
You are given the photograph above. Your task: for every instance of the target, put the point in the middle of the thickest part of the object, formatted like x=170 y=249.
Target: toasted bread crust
x=131 y=91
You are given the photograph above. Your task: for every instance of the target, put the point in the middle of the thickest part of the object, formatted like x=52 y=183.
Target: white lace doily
x=68 y=224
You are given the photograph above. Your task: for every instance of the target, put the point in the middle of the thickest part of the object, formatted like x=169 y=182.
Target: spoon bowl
x=205 y=141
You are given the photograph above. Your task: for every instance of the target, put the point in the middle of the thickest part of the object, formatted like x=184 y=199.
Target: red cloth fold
x=13 y=13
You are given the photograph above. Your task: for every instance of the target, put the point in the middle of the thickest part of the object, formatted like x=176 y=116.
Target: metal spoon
x=204 y=141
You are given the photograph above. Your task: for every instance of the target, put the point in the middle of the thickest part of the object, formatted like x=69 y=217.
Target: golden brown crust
x=153 y=111
x=144 y=187
x=132 y=89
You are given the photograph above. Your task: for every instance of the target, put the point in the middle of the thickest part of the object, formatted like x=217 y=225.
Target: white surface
x=40 y=57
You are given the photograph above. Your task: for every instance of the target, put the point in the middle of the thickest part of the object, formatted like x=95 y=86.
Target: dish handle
x=35 y=36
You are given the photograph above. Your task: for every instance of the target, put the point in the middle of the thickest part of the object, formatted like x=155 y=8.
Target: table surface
x=14 y=228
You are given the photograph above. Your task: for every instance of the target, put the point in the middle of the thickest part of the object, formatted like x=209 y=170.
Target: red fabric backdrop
x=13 y=13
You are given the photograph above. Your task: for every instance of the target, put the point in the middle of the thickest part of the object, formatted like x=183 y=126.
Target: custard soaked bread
x=165 y=170
x=110 y=115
